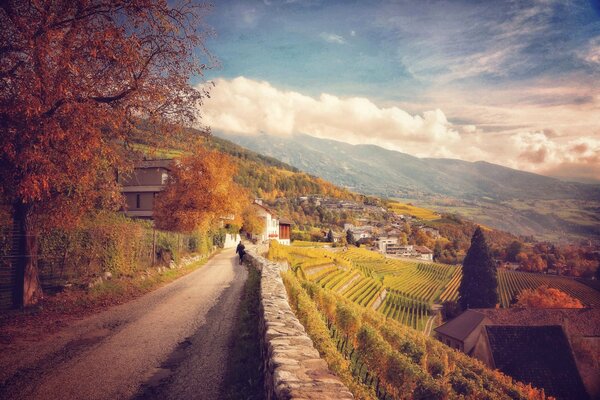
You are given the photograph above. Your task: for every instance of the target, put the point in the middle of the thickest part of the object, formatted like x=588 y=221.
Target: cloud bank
x=243 y=106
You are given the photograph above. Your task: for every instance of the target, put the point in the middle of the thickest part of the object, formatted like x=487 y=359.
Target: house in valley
x=140 y=186
x=384 y=242
x=285 y=231
x=424 y=253
x=273 y=228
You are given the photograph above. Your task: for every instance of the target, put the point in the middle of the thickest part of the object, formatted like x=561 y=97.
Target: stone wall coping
x=292 y=366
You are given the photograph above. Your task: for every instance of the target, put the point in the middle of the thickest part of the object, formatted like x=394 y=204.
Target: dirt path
x=171 y=343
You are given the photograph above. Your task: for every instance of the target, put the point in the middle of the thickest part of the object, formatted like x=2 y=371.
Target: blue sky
x=525 y=72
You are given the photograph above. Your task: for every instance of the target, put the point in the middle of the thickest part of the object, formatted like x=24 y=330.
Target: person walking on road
x=241 y=250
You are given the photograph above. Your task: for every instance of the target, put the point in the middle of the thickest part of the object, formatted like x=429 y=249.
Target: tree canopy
x=479 y=285
x=199 y=193
x=75 y=79
x=546 y=297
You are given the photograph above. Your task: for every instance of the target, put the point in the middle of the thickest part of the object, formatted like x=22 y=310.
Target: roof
x=461 y=327
x=423 y=249
x=267 y=209
x=284 y=221
x=577 y=321
x=539 y=355
x=164 y=163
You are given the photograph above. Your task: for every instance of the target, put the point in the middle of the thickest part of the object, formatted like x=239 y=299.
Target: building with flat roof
x=140 y=186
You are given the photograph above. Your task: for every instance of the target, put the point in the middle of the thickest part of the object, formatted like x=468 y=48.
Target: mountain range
x=520 y=202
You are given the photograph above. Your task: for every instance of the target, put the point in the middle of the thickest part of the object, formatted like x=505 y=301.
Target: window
x=137 y=201
x=164 y=178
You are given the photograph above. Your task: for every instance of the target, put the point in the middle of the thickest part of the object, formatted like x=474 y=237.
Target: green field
x=406 y=290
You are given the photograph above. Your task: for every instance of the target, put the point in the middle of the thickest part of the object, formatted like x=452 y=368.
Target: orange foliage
x=545 y=297
x=75 y=76
x=199 y=193
x=253 y=223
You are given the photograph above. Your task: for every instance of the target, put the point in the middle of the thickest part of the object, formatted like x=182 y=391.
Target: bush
x=428 y=389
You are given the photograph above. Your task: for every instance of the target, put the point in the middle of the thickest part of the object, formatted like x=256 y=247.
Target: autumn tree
x=200 y=193
x=253 y=223
x=479 y=285
x=76 y=77
x=546 y=297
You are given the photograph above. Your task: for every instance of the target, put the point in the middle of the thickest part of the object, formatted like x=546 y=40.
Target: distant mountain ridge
x=375 y=170
x=489 y=190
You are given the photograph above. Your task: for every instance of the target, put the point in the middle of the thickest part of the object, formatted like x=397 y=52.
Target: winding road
x=170 y=344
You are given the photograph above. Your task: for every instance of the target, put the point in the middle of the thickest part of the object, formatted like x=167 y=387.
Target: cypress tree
x=479 y=284
x=350 y=237
x=330 y=236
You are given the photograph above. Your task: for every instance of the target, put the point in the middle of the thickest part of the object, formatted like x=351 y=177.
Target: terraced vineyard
x=406 y=290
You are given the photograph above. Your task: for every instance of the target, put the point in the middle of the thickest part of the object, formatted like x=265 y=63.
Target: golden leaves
x=200 y=192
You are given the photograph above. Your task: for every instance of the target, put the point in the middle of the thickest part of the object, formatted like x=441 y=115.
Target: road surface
x=169 y=344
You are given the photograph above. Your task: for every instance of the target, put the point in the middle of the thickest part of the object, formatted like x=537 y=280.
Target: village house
x=406 y=250
x=141 y=186
x=274 y=229
x=144 y=183
x=556 y=349
x=384 y=242
x=424 y=253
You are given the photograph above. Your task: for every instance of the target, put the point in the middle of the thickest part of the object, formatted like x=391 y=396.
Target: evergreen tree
x=479 y=284
x=350 y=237
x=330 y=236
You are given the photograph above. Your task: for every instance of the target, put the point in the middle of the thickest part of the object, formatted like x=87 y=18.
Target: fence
x=109 y=243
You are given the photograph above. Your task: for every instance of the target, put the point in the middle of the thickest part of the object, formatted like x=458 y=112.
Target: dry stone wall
x=292 y=366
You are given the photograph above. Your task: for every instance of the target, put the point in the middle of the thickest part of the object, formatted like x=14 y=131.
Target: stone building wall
x=291 y=364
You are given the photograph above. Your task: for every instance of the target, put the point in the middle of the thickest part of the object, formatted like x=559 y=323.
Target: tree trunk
x=30 y=289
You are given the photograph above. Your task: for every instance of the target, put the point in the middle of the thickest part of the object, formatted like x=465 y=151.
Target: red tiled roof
x=423 y=249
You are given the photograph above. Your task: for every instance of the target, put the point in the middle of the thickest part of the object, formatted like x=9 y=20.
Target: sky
x=515 y=83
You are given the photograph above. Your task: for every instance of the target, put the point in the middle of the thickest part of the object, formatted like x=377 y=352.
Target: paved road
x=171 y=344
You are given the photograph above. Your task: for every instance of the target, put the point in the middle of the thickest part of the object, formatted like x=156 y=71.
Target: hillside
x=504 y=198
x=378 y=356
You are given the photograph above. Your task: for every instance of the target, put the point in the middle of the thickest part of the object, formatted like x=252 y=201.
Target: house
x=513 y=266
x=462 y=332
x=406 y=250
x=424 y=253
x=383 y=243
x=141 y=186
x=273 y=229
x=539 y=355
x=285 y=229
x=520 y=342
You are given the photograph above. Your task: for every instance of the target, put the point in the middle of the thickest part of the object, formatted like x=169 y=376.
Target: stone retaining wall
x=291 y=364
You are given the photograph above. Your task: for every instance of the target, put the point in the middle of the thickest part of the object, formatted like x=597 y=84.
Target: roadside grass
x=244 y=378
x=57 y=311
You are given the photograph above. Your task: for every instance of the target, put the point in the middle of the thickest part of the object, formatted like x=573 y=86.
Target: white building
x=384 y=242
x=424 y=253
x=274 y=228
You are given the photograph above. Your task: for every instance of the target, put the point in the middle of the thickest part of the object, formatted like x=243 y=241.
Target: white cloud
x=247 y=107
x=332 y=38
x=591 y=54
x=352 y=33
